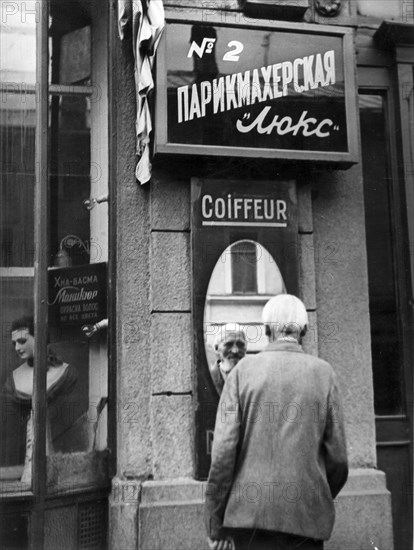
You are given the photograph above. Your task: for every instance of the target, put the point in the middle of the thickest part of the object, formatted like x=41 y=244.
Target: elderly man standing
x=279 y=454
x=230 y=346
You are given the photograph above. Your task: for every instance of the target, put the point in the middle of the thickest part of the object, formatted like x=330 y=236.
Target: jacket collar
x=281 y=345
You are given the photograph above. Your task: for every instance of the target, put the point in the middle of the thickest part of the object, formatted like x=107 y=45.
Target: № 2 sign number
x=234 y=54
x=207 y=46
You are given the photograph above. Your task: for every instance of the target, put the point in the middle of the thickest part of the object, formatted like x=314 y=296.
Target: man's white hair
x=285 y=314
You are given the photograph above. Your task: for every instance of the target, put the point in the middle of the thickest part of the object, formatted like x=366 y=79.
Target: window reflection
x=70 y=33
x=244 y=268
x=77 y=388
x=245 y=277
x=17 y=182
x=18 y=389
x=70 y=146
x=78 y=239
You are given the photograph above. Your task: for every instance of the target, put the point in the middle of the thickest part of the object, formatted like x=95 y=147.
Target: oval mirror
x=245 y=277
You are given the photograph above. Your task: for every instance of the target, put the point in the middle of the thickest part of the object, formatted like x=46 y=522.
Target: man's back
x=279 y=443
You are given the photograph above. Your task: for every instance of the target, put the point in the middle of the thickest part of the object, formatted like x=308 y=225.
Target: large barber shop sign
x=257 y=92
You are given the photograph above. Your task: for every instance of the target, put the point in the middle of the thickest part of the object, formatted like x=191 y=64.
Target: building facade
x=129 y=283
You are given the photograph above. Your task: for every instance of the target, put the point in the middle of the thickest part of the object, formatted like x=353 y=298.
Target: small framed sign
x=285 y=93
x=77 y=295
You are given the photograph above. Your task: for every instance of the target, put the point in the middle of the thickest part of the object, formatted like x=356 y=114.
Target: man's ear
x=304 y=331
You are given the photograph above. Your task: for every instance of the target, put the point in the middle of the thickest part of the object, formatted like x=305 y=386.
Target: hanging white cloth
x=147 y=20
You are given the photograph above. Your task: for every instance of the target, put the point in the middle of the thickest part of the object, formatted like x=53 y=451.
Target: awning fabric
x=147 y=20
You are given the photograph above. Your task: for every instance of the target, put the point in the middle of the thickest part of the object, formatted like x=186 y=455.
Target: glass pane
x=244 y=268
x=76 y=378
x=17 y=167
x=77 y=429
x=70 y=43
x=385 y=341
x=70 y=158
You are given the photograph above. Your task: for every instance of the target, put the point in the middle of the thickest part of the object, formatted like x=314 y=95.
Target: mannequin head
x=22 y=334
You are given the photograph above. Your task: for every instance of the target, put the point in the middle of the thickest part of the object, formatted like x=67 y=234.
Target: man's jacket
x=217 y=377
x=279 y=453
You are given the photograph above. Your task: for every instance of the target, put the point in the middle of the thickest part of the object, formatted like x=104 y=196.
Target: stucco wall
x=342 y=302
x=396 y=9
x=134 y=447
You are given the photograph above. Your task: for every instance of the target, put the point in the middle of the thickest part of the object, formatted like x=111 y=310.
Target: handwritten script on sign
x=227 y=87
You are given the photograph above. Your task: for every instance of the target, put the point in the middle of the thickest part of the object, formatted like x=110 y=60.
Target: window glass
x=244 y=267
x=69 y=245
x=17 y=182
x=70 y=158
x=76 y=454
x=385 y=337
x=76 y=371
x=70 y=43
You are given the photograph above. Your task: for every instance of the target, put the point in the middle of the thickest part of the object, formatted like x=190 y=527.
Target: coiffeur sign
x=225 y=212
x=234 y=91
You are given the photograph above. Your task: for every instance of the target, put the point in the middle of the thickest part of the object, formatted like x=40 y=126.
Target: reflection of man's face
x=231 y=350
x=23 y=343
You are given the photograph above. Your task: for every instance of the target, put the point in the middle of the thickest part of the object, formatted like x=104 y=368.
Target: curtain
x=146 y=20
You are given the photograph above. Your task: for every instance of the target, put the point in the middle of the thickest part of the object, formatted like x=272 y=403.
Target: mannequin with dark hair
x=18 y=389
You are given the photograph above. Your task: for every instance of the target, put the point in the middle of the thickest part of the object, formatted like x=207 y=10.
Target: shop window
x=386 y=335
x=17 y=181
x=386 y=116
x=76 y=392
x=78 y=244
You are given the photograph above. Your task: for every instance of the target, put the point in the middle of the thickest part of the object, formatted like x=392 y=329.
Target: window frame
x=36 y=538
x=34 y=502
x=379 y=80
